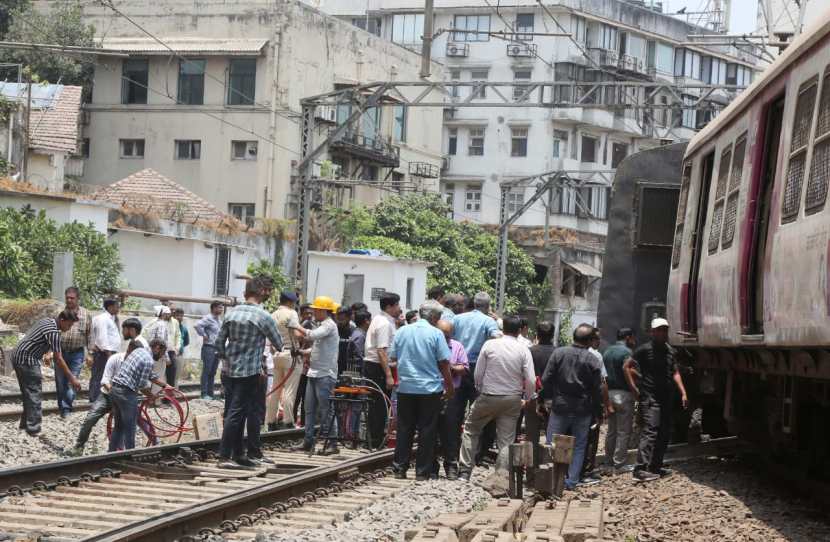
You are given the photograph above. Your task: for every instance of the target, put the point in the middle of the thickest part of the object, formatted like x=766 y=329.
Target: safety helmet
x=323 y=302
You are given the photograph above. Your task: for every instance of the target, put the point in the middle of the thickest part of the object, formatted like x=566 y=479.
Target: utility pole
x=26 y=135
x=426 y=39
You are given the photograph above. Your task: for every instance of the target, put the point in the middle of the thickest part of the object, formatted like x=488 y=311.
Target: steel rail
x=52 y=395
x=173 y=525
x=23 y=478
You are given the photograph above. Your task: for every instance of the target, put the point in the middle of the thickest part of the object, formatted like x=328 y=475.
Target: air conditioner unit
x=666 y=141
x=458 y=49
x=521 y=49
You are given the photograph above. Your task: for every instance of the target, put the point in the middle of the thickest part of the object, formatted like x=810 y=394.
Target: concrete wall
x=326 y=277
x=61 y=210
x=307 y=54
x=184 y=267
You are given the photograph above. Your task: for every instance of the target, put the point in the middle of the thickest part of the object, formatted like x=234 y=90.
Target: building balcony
x=378 y=151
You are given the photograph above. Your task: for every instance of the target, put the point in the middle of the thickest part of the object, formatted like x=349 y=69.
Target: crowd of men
x=454 y=373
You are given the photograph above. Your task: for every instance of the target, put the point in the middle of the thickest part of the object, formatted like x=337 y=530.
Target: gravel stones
x=387 y=520
x=705 y=499
x=59 y=434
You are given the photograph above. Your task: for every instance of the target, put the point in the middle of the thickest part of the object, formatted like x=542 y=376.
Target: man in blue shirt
x=423 y=374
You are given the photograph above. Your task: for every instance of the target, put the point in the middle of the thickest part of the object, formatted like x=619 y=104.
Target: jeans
x=421 y=412
x=504 y=410
x=577 y=426
x=125 y=413
x=66 y=393
x=100 y=408
x=30 y=380
x=449 y=430
x=239 y=408
x=170 y=370
x=655 y=435
x=257 y=418
x=377 y=416
x=317 y=402
x=209 y=364
x=99 y=361
x=619 y=427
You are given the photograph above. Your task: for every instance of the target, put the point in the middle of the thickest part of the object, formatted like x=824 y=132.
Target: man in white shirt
x=376 y=366
x=106 y=341
x=505 y=379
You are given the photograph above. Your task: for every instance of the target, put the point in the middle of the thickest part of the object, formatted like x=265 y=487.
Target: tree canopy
x=28 y=241
x=418 y=227
x=61 y=24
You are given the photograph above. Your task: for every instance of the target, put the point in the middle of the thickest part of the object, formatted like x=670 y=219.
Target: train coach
x=748 y=293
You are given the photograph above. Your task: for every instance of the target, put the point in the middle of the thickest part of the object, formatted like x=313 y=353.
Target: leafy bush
x=418 y=227
x=281 y=282
x=28 y=242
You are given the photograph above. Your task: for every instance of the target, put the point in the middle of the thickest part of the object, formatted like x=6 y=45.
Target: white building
x=171 y=241
x=351 y=278
x=598 y=40
x=216 y=104
x=54 y=155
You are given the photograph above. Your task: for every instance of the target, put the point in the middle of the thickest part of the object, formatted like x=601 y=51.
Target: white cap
x=659 y=322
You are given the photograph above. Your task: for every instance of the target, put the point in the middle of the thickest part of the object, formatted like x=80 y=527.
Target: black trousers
x=255 y=421
x=170 y=370
x=30 y=380
x=655 y=435
x=299 y=406
x=99 y=362
x=419 y=412
x=377 y=406
x=238 y=409
x=590 y=461
x=449 y=430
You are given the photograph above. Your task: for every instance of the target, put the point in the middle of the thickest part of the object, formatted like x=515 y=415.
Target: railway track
x=168 y=492
x=10 y=402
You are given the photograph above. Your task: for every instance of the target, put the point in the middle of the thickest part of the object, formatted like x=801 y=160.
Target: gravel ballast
x=59 y=434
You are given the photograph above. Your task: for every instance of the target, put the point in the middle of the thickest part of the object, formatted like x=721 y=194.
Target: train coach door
x=754 y=308
x=697 y=240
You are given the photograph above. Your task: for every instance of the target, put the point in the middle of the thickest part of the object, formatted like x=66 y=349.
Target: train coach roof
x=813 y=34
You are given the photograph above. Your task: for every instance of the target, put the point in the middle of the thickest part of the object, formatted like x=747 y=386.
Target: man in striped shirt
x=134 y=377
x=43 y=337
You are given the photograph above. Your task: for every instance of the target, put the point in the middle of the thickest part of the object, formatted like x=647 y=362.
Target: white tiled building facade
x=486 y=145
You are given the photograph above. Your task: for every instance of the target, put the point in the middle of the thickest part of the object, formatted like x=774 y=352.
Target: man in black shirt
x=649 y=373
x=573 y=383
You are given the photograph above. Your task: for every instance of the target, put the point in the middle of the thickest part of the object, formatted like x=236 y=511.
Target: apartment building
x=211 y=98
x=587 y=40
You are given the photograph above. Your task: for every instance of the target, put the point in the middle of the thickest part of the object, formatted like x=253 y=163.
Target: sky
x=744 y=12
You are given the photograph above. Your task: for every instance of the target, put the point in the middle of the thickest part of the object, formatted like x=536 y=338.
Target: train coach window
x=681 y=213
x=730 y=217
x=802 y=124
x=720 y=194
x=656 y=215
x=820 y=164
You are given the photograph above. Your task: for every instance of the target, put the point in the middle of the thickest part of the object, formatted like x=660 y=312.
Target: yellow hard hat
x=324 y=302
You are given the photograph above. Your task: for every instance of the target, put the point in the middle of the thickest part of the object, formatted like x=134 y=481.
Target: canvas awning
x=584 y=269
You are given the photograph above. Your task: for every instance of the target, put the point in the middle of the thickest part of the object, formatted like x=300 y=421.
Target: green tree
x=6 y=9
x=281 y=282
x=417 y=226
x=28 y=241
x=61 y=24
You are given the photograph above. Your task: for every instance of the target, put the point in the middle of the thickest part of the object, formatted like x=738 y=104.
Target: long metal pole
x=426 y=39
x=26 y=134
x=304 y=207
